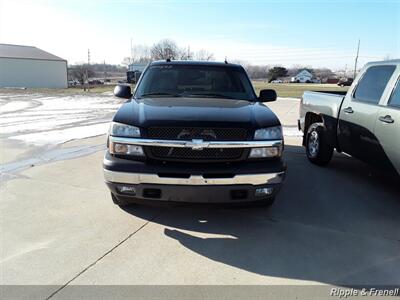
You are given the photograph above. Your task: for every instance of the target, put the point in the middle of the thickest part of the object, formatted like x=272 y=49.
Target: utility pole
x=86 y=83
x=131 y=60
x=356 y=60
x=105 y=72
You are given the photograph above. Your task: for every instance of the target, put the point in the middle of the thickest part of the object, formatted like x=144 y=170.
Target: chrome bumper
x=139 y=178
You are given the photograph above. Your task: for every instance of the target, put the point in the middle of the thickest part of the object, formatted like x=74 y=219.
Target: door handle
x=348 y=110
x=386 y=119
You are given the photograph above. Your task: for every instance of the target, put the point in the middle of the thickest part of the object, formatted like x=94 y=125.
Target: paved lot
x=337 y=225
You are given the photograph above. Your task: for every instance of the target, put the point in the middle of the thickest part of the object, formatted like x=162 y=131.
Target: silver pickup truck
x=364 y=122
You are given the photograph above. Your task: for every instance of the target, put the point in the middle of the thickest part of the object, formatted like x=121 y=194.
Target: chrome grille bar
x=196 y=143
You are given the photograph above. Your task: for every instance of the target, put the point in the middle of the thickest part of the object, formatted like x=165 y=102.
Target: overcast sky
x=308 y=32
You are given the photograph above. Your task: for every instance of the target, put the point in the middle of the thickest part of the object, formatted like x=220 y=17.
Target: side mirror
x=267 y=96
x=123 y=91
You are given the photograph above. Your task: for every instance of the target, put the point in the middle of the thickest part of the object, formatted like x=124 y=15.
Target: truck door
x=387 y=129
x=359 y=112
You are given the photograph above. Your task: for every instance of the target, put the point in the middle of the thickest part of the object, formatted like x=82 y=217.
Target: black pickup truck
x=194 y=132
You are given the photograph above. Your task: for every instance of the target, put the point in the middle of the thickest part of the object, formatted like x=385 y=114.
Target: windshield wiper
x=160 y=94
x=213 y=95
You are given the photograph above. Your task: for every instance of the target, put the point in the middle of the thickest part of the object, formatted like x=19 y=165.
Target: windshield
x=195 y=81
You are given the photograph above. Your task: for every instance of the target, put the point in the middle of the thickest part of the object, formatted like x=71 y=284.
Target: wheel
x=317 y=149
x=120 y=202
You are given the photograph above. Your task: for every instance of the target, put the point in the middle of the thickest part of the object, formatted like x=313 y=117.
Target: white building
x=27 y=66
x=137 y=67
x=303 y=77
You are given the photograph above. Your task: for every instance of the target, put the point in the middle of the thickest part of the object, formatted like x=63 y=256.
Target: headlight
x=125 y=149
x=123 y=130
x=270 y=133
x=266 y=152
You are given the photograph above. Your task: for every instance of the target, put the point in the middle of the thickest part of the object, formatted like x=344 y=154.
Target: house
x=31 y=67
x=303 y=77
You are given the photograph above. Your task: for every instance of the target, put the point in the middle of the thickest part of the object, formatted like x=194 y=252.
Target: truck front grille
x=189 y=133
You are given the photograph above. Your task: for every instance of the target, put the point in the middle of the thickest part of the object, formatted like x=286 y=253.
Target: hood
x=195 y=112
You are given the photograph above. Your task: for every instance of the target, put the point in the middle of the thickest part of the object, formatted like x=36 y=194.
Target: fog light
x=262 y=192
x=264 y=152
x=126 y=189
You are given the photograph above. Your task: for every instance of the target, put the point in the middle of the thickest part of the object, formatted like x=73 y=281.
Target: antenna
x=356 y=60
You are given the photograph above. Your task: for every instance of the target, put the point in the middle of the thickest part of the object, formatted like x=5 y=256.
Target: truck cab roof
x=384 y=62
x=194 y=63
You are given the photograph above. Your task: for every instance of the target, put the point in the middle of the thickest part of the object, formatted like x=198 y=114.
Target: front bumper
x=204 y=183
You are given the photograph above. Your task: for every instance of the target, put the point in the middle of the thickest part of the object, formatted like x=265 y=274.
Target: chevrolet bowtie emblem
x=197 y=144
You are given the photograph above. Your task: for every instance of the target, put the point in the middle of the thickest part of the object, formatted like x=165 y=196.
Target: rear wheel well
x=310 y=118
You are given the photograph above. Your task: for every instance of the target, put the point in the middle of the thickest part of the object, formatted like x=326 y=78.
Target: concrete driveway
x=337 y=225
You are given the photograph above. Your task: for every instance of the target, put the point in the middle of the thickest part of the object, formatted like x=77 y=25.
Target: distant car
x=277 y=81
x=73 y=82
x=345 y=82
x=96 y=81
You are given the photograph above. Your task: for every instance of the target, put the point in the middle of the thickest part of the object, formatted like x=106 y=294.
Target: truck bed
x=325 y=103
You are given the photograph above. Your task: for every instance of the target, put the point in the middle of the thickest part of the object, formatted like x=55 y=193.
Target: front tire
x=318 y=151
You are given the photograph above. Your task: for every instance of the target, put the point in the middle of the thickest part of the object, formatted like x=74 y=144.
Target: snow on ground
x=42 y=119
x=13 y=106
x=63 y=135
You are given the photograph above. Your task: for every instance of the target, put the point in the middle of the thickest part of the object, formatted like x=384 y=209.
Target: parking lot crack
x=103 y=256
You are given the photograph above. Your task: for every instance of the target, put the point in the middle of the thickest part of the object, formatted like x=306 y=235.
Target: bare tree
x=323 y=73
x=78 y=72
x=244 y=63
x=203 y=54
x=257 y=72
x=186 y=54
x=126 y=61
x=165 y=49
x=141 y=54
